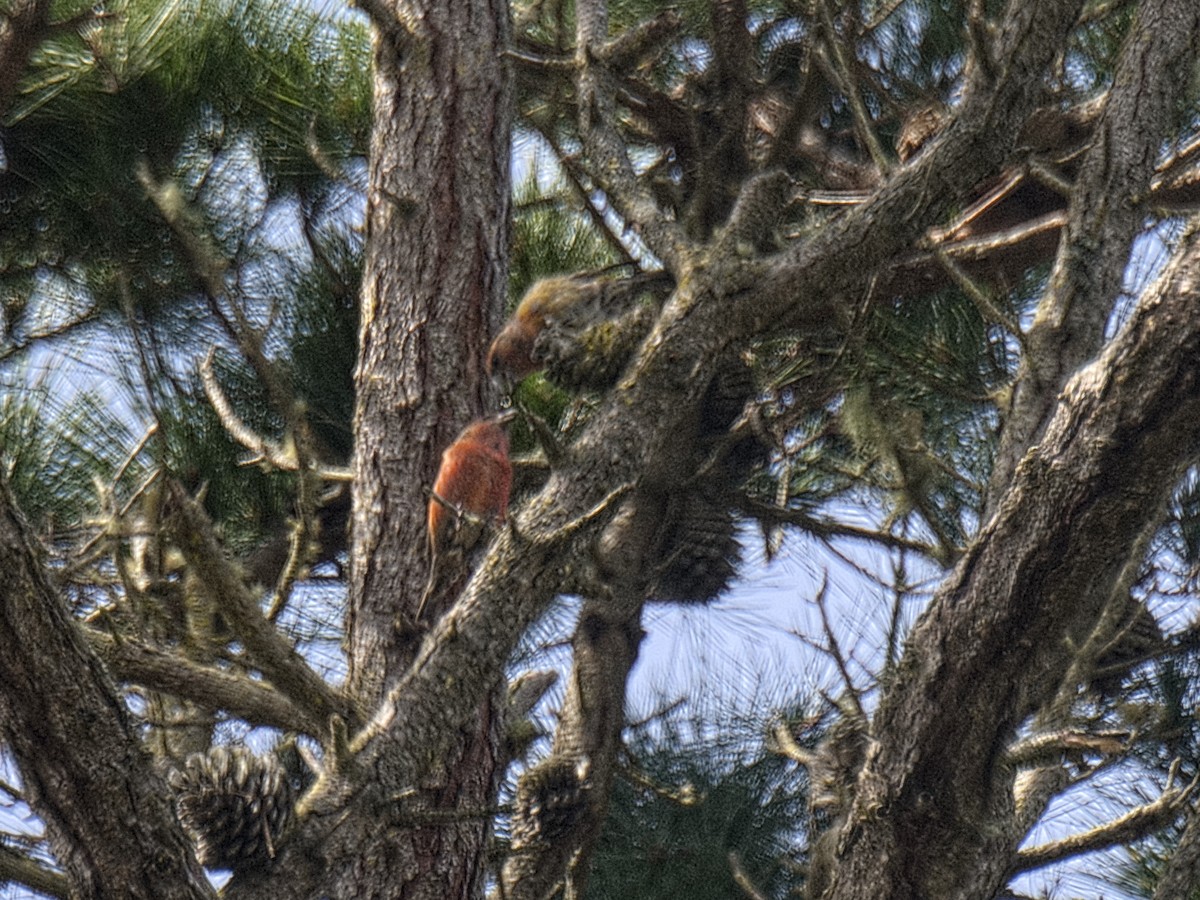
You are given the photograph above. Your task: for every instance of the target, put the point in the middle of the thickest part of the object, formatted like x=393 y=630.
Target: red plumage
x=471 y=490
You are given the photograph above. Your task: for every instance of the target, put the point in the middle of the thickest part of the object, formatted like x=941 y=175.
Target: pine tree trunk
x=433 y=295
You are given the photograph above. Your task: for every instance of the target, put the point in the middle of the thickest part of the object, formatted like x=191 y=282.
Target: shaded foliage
x=693 y=794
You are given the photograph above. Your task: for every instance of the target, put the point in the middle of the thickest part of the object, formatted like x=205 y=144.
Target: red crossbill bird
x=511 y=354
x=582 y=331
x=471 y=490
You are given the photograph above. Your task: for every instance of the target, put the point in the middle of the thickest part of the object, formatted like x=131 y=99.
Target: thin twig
x=575 y=178
x=270 y=652
x=565 y=532
x=833 y=648
x=212 y=269
x=1135 y=824
x=263 y=449
x=841 y=70
x=900 y=581
x=786 y=745
x=684 y=795
x=304 y=529
x=151 y=430
x=977 y=295
x=828 y=528
x=658 y=713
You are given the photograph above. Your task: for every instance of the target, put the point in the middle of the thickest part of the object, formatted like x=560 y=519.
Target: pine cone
x=234 y=805
x=701 y=549
x=724 y=400
x=551 y=799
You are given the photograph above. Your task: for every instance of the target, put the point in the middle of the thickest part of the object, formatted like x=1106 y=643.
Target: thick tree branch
x=1123 y=431
x=17 y=868
x=1033 y=790
x=460 y=662
x=1127 y=829
x=433 y=291
x=636 y=432
x=646 y=416
x=980 y=137
x=82 y=765
x=1182 y=875
x=644 y=41
x=209 y=688
x=999 y=253
x=589 y=734
x=268 y=650
x=1104 y=216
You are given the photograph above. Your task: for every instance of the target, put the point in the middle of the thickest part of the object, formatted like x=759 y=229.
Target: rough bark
x=588 y=738
x=803 y=285
x=20 y=869
x=1182 y=875
x=640 y=430
x=636 y=433
x=993 y=644
x=642 y=421
x=991 y=650
x=83 y=768
x=207 y=686
x=1104 y=216
x=433 y=294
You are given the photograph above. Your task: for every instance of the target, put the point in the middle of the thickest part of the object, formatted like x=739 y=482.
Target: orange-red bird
x=471 y=489
x=511 y=353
